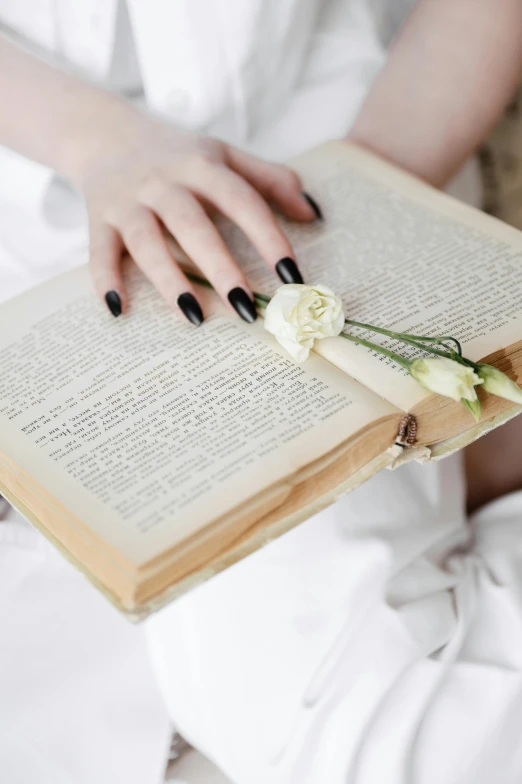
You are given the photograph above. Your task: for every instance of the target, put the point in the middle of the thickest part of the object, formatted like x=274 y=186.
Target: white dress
x=379 y=641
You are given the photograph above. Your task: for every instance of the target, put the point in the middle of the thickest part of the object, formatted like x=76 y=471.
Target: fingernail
x=242 y=304
x=288 y=271
x=190 y=307
x=313 y=204
x=112 y=298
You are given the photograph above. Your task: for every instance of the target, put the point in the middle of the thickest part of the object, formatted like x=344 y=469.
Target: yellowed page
x=147 y=428
x=403 y=256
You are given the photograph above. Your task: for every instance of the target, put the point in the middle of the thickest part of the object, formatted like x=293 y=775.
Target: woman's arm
x=450 y=74
x=53 y=117
x=138 y=174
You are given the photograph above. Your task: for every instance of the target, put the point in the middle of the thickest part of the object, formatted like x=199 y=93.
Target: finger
x=188 y=222
x=240 y=202
x=277 y=183
x=146 y=244
x=105 y=251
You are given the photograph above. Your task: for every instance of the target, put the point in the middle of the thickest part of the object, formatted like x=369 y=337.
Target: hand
x=156 y=175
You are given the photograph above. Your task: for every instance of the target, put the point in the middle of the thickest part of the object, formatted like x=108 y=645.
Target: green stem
x=396 y=357
x=420 y=346
x=469 y=362
x=404 y=336
x=200 y=281
x=454 y=356
x=429 y=349
x=380 y=350
x=261 y=301
x=439 y=341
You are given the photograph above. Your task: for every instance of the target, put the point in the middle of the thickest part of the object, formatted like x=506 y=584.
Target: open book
x=155 y=454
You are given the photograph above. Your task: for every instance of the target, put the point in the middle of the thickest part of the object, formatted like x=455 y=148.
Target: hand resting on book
x=161 y=176
x=139 y=174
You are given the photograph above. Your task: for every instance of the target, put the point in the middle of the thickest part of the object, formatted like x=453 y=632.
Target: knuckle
x=201 y=167
x=153 y=188
x=289 y=178
x=118 y=213
x=182 y=208
x=207 y=157
x=210 y=149
x=241 y=196
x=140 y=234
x=191 y=219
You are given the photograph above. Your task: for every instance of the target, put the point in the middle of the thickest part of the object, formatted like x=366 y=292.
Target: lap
x=350 y=650
x=288 y=663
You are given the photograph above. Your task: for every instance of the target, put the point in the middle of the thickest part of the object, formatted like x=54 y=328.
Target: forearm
x=53 y=117
x=447 y=81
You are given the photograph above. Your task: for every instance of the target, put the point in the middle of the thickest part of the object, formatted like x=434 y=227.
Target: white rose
x=298 y=314
x=446 y=377
x=497 y=383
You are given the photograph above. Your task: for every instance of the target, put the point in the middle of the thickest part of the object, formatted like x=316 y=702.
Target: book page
x=402 y=256
x=147 y=428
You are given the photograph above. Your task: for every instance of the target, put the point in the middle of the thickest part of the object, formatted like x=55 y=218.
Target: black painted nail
x=288 y=271
x=313 y=204
x=242 y=304
x=112 y=298
x=190 y=307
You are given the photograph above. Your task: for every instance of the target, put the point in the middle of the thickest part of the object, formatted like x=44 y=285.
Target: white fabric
x=78 y=699
x=308 y=661
x=379 y=642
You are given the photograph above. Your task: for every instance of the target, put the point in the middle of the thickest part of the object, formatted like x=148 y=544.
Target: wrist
x=99 y=132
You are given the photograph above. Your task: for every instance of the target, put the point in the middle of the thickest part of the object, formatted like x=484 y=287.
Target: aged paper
x=402 y=256
x=147 y=428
